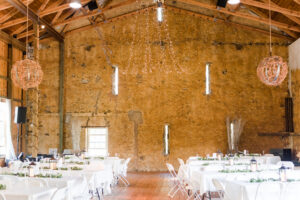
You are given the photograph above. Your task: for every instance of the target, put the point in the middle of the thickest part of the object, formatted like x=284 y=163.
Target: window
x=3 y=125
x=166 y=140
x=207 y=79
x=2 y=138
x=97 y=141
x=115 y=81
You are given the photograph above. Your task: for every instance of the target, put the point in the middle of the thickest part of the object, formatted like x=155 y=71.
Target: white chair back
x=220 y=189
x=60 y=194
x=2 y=197
x=181 y=162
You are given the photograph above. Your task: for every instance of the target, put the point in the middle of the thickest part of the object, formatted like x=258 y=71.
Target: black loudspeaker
x=20 y=115
x=287 y=155
x=222 y=3
x=92 y=5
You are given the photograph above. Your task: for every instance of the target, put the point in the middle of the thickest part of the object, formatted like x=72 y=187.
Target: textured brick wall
x=197 y=121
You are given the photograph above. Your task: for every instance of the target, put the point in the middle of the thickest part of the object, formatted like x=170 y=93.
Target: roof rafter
x=242 y=15
x=262 y=14
x=5 y=5
x=8 y=15
x=34 y=17
x=95 y=13
x=43 y=13
x=294 y=19
x=273 y=7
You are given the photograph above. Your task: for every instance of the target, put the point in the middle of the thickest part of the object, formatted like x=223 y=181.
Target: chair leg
x=172 y=192
x=98 y=194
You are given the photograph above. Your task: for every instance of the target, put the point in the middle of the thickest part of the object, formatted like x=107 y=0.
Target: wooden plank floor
x=143 y=186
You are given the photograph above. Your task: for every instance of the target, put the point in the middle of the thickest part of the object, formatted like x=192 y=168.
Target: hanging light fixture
x=27 y=73
x=233 y=2
x=272 y=70
x=75 y=4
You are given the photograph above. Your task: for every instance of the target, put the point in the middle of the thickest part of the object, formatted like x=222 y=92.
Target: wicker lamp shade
x=26 y=74
x=272 y=70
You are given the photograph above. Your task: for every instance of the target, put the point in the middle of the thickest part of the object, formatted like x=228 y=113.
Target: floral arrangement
x=49 y=176
x=235 y=171
x=2 y=187
x=259 y=180
x=76 y=168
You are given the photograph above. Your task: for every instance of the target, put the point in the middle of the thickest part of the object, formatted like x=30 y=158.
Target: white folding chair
x=60 y=194
x=220 y=189
x=2 y=197
x=122 y=174
x=190 y=184
x=181 y=162
x=178 y=185
x=287 y=164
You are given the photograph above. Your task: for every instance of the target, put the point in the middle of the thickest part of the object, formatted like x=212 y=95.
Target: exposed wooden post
x=61 y=96
x=9 y=66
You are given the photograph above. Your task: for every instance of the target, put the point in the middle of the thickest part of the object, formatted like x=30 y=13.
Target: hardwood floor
x=143 y=186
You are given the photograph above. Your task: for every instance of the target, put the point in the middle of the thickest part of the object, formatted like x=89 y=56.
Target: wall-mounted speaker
x=222 y=3
x=92 y=5
x=20 y=115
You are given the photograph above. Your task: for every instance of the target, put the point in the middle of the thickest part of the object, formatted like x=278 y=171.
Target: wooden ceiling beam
x=213 y=19
x=262 y=14
x=9 y=39
x=95 y=13
x=242 y=15
x=35 y=18
x=5 y=5
x=8 y=15
x=43 y=13
x=294 y=19
x=112 y=19
x=272 y=7
x=21 y=28
x=180 y=10
x=43 y=6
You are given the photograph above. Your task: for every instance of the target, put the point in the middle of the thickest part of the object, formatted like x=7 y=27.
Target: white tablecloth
x=203 y=180
x=26 y=193
x=243 y=190
x=267 y=159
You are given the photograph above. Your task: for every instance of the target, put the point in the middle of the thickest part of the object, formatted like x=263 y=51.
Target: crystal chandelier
x=272 y=70
x=27 y=73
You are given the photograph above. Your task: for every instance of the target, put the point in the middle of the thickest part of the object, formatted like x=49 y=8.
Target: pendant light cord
x=270 y=23
x=27 y=31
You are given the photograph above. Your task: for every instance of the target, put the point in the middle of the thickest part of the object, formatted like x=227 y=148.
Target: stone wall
x=173 y=92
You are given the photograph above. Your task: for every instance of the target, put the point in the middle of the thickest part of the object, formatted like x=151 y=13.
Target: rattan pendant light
x=272 y=70
x=27 y=73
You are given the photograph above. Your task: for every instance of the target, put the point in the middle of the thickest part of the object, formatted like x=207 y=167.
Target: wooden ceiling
x=60 y=19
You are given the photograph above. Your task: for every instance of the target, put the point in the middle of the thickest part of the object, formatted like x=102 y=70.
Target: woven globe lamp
x=26 y=74
x=272 y=70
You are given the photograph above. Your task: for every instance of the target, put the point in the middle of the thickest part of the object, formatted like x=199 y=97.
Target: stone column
x=32 y=103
